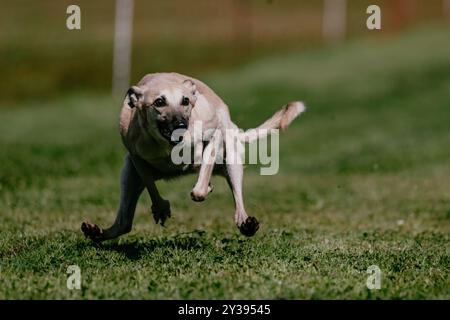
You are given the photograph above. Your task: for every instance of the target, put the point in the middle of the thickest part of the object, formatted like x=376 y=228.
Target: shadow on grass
x=134 y=249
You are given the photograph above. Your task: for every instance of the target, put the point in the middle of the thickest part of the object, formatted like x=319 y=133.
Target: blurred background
x=39 y=56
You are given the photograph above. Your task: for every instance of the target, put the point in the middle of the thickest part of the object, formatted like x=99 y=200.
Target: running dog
x=153 y=110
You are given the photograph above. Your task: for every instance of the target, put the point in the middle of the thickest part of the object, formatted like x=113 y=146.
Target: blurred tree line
x=41 y=58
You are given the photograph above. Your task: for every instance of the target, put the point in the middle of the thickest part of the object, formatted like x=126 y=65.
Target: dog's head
x=166 y=107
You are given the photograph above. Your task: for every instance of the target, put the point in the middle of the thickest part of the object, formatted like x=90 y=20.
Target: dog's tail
x=280 y=120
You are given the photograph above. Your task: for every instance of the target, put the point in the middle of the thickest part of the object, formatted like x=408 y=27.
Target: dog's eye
x=159 y=102
x=185 y=101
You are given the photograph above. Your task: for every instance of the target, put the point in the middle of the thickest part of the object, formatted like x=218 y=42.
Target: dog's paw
x=161 y=212
x=199 y=196
x=249 y=226
x=92 y=231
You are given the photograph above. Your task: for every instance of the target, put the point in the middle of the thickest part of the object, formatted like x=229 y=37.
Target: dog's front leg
x=234 y=174
x=203 y=186
x=160 y=206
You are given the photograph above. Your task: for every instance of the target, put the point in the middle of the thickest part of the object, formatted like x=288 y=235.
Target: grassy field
x=364 y=180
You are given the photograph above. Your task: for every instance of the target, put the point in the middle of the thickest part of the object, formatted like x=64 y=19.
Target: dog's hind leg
x=160 y=206
x=131 y=188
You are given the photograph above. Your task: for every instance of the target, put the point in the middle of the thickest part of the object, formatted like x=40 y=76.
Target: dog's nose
x=180 y=124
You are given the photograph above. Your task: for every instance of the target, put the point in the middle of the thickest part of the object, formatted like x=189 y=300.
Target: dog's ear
x=190 y=85
x=192 y=88
x=135 y=96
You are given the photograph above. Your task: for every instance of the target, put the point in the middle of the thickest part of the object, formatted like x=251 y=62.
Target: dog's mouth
x=173 y=131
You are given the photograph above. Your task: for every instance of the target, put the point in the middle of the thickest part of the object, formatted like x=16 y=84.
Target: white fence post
x=123 y=35
x=446 y=9
x=334 y=22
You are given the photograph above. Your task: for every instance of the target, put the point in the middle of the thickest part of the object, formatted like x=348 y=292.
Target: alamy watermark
x=74 y=278
x=373 y=281
x=374 y=20
x=217 y=147
x=73 y=21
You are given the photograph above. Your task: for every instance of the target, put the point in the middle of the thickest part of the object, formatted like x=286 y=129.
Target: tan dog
x=152 y=111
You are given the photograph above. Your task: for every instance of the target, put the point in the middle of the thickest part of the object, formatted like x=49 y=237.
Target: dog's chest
x=157 y=155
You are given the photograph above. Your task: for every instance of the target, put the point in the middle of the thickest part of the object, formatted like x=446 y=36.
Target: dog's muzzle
x=173 y=131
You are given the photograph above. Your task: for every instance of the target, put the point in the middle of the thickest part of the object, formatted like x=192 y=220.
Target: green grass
x=364 y=180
